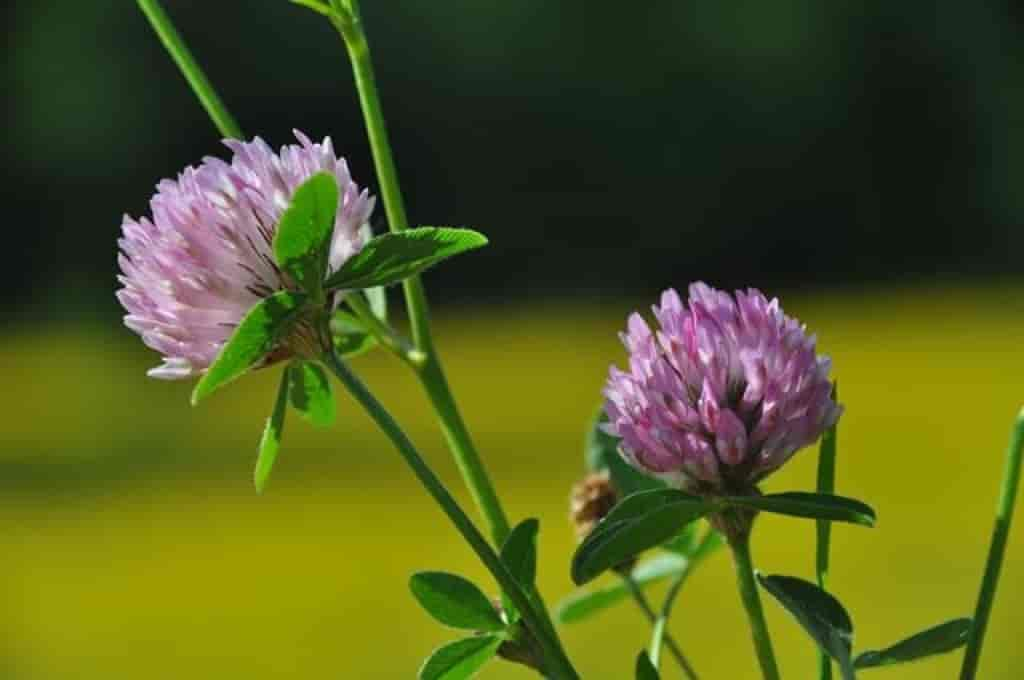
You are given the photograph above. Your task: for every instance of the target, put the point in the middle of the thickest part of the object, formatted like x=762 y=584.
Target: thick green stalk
x=654 y=618
x=826 y=485
x=349 y=24
x=181 y=55
x=1000 y=533
x=556 y=663
x=752 y=603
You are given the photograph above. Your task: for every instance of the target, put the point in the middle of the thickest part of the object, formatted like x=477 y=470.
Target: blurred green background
x=859 y=159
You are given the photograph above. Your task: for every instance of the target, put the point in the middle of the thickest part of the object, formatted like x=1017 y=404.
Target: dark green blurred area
x=604 y=147
x=834 y=151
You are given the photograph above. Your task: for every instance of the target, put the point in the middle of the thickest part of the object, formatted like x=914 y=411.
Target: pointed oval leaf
x=303 y=238
x=310 y=393
x=813 y=505
x=256 y=335
x=390 y=258
x=820 y=614
x=602 y=453
x=641 y=521
x=454 y=601
x=941 y=639
x=519 y=553
x=645 y=670
x=584 y=604
x=642 y=502
x=460 y=660
x=270 y=442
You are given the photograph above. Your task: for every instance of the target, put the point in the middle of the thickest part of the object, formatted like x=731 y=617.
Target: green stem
x=654 y=618
x=752 y=602
x=197 y=80
x=432 y=377
x=1000 y=533
x=826 y=485
x=557 y=664
x=349 y=24
x=385 y=334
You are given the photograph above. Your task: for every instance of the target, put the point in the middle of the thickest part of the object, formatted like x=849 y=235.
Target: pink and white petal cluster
x=722 y=393
x=192 y=270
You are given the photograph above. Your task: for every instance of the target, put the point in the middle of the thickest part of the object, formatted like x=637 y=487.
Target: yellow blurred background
x=133 y=544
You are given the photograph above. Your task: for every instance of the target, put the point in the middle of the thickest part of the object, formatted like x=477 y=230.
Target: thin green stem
x=556 y=663
x=654 y=618
x=826 y=485
x=1000 y=533
x=385 y=334
x=752 y=603
x=432 y=377
x=348 y=22
x=197 y=80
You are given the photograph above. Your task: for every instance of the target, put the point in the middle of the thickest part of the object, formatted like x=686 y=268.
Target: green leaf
x=519 y=553
x=639 y=522
x=310 y=393
x=819 y=613
x=645 y=670
x=943 y=638
x=601 y=452
x=583 y=604
x=389 y=258
x=256 y=335
x=378 y=299
x=460 y=660
x=813 y=505
x=303 y=238
x=349 y=335
x=454 y=601
x=270 y=442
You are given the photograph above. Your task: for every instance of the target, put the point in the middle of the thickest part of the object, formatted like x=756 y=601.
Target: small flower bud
x=592 y=498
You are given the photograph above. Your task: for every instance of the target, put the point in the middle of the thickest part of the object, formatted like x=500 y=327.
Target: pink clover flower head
x=191 y=271
x=721 y=394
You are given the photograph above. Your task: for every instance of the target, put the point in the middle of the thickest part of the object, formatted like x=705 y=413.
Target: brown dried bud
x=592 y=498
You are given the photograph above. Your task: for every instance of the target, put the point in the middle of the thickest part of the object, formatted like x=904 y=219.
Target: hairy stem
x=197 y=80
x=752 y=603
x=559 y=667
x=1000 y=533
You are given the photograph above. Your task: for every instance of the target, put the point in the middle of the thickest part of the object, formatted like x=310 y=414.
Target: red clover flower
x=192 y=271
x=722 y=394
